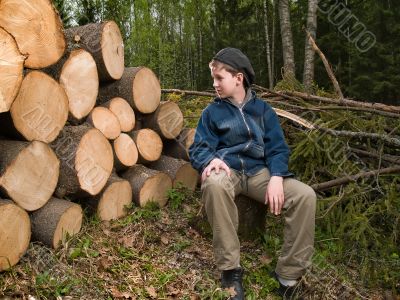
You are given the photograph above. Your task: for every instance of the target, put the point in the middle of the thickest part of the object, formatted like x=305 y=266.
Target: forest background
x=361 y=39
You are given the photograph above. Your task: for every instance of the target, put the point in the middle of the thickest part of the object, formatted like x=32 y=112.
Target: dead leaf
x=164 y=240
x=128 y=241
x=105 y=263
x=265 y=259
x=151 y=291
x=231 y=291
x=194 y=297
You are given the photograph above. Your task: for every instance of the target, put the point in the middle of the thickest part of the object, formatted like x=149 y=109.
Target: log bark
x=180 y=171
x=111 y=203
x=125 y=152
x=167 y=120
x=55 y=221
x=148 y=185
x=139 y=86
x=148 y=143
x=77 y=73
x=252 y=217
x=86 y=161
x=104 y=42
x=37 y=28
x=15 y=233
x=123 y=111
x=39 y=111
x=179 y=147
x=11 y=70
x=106 y=121
x=29 y=172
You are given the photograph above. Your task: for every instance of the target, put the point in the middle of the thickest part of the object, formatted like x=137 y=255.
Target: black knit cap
x=237 y=60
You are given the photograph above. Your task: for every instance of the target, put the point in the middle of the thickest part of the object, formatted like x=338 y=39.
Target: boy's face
x=225 y=84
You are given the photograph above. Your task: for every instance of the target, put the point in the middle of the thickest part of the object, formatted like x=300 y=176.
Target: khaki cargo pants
x=218 y=194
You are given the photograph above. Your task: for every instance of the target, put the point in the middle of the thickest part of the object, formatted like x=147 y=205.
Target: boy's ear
x=241 y=77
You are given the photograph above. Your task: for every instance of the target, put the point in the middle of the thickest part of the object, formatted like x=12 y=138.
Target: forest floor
x=166 y=253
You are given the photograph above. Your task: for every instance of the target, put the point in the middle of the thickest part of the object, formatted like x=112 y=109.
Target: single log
x=106 y=121
x=11 y=70
x=125 y=152
x=40 y=110
x=179 y=147
x=111 y=203
x=37 y=28
x=77 y=73
x=52 y=224
x=148 y=143
x=167 y=120
x=15 y=233
x=139 y=86
x=86 y=161
x=180 y=171
x=124 y=112
x=104 y=42
x=148 y=185
x=29 y=172
x=252 y=218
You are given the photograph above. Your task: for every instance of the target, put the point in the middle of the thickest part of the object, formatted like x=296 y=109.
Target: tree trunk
x=15 y=233
x=179 y=147
x=111 y=203
x=148 y=143
x=125 y=152
x=40 y=110
x=167 y=120
x=148 y=185
x=287 y=38
x=104 y=120
x=52 y=223
x=308 y=75
x=139 y=86
x=81 y=84
x=12 y=68
x=37 y=28
x=29 y=172
x=104 y=42
x=86 y=161
x=180 y=171
x=123 y=111
x=267 y=45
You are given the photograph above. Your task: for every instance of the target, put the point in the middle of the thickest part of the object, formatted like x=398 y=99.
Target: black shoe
x=233 y=279
x=287 y=292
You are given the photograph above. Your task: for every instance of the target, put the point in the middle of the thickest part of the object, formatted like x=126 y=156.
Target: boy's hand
x=274 y=195
x=216 y=164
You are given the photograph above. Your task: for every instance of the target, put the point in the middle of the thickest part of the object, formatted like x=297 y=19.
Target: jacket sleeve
x=276 y=150
x=203 y=149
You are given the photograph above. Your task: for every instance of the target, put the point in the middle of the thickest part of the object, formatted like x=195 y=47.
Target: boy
x=239 y=148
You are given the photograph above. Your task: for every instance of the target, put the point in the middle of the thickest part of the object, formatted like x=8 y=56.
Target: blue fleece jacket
x=247 y=138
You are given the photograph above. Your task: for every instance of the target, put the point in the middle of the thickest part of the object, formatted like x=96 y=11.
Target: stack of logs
x=75 y=124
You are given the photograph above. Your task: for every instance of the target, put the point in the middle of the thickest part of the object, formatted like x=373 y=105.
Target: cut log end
x=149 y=144
x=186 y=176
x=112 y=47
x=106 y=121
x=15 y=234
x=40 y=110
x=70 y=223
x=116 y=197
x=31 y=178
x=55 y=221
x=146 y=91
x=125 y=150
x=12 y=64
x=124 y=112
x=155 y=190
x=80 y=80
x=93 y=161
x=44 y=45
